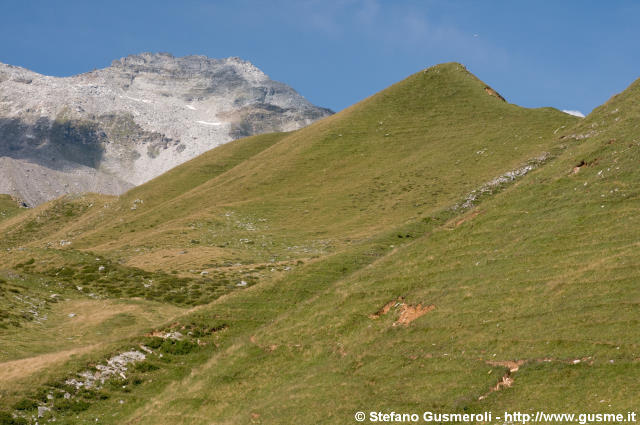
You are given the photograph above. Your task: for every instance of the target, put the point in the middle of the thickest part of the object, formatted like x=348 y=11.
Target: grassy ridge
x=403 y=153
x=374 y=289
x=543 y=274
x=378 y=163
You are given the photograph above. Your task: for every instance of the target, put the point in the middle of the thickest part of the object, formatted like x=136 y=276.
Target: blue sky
x=567 y=54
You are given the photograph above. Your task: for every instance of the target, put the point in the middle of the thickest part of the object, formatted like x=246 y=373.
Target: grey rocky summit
x=111 y=129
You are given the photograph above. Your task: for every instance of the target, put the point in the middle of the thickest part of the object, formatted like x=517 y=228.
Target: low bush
x=25 y=404
x=172 y=346
x=72 y=405
x=145 y=367
x=7 y=419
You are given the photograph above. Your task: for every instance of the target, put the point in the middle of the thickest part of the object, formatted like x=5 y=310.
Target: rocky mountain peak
x=188 y=66
x=125 y=124
x=194 y=64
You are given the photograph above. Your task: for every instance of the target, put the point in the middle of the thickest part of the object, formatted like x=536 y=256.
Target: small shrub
x=25 y=404
x=154 y=342
x=66 y=272
x=178 y=299
x=145 y=367
x=72 y=405
x=171 y=346
x=91 y=394
x=59 y=385
x=7 y=419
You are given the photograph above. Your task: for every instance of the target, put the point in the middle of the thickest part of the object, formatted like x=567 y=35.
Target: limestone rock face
x=111 y=129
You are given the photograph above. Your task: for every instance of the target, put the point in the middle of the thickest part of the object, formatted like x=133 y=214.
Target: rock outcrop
x=111 y=129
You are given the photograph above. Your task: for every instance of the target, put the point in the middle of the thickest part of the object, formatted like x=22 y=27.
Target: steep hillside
x=111 y=129
x=527 y=302
x=413 y=149
x=401 y=255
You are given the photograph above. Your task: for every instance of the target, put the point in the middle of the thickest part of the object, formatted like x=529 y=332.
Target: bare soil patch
x=406 y=313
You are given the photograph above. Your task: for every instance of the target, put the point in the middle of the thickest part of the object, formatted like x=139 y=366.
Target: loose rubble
x=116 y=366
x=507 y=177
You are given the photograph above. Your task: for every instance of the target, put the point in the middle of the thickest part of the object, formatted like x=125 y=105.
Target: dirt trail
x=466 y=218
x=72 y=331
x=505 y=382
x=19 y=369
x=512 y=365
x=507 y=379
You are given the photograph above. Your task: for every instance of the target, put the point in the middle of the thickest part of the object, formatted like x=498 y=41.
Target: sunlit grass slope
x=414 y=148
x=8 y=207
x=335 y=268
x=541 y=279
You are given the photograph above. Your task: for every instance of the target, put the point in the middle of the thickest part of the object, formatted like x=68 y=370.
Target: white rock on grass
x=42 y=410
x=116 y=366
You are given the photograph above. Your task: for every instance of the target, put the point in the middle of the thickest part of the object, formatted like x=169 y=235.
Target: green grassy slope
x=381 y=162
x=51 y=218
x=330 y=224
x=544 y=274
x=412 y=149
x=200 y=170
x=8 y=207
